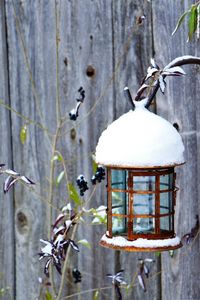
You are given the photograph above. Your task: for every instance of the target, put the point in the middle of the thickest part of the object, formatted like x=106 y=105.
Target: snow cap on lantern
x=140 y=138
x=140 y=151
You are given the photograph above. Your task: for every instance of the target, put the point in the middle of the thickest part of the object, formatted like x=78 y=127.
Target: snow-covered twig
x=172 y=69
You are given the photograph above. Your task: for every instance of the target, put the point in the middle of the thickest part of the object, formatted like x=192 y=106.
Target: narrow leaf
x=9 y=182
x=11 y=172
x=94 y=166
x=26 y=180
x=192 y=23
x=48 y=296
x=96 y=296
x=59 y=178
x=74 y=245
x=162 y=84
x=141 y=282
x=73 y=194
x=23 y=134
x=57 y=157
x=180 y=20
x=85 y=243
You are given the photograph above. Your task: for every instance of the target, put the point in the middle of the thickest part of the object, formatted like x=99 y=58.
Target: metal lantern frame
x=154 y=189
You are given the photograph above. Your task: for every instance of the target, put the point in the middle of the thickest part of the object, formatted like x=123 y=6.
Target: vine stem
x=65 y=265
x=28 y=67
x=69 y=249
x=88 y=291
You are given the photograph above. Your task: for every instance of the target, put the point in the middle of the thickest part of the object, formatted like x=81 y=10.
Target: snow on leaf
x=151 y=72
x=68 y=224
x=26 y=180
x=146 y=270
x=141 y=282
x=67 y=208
x=58 y=219
x=162 y=84
x=174 y=71
x=74 y=245
x=11 y=172
x=9 y=182
x=46 y=268
x=85 y=243
x=153 y=63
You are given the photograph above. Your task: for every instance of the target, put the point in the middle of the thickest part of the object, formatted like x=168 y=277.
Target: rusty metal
x=137 y=249
x=130 y=216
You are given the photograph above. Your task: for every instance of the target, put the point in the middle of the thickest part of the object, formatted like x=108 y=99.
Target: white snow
x=140 y=243
x=140 y=138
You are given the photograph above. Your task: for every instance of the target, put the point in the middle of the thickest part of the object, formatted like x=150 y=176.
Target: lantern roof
x=140 y=138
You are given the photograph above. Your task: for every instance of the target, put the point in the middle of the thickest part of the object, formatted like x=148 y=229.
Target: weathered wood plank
x=7 y=248
x=131 y=72
x=30 y=20
x=86 y=40
x=179 y=106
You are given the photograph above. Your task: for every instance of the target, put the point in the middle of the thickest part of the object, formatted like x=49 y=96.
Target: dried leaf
x=180 y=20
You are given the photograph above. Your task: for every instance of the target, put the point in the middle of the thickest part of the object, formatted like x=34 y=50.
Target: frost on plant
x=12 y=178
x=117 y=281
x=55 y=250
x=74 y=112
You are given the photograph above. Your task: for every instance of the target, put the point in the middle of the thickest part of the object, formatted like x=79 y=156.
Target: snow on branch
x=155 y=78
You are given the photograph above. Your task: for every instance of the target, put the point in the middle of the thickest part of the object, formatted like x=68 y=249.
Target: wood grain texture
x=179 y=105
x=139 y=50
x=7 y=247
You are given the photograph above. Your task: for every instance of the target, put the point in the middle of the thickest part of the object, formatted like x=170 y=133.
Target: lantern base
x=140 y=244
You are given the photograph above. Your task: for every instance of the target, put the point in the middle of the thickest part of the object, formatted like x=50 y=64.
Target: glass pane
x=166 y=182
x=118 y=179
x=144 y=225
x=118 y=225
x=144 y=204
x=166 y=203
x=166 y=223
x=144 y=183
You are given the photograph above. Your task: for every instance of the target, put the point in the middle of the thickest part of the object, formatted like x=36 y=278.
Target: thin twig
x=30 y=121
x=58 y=109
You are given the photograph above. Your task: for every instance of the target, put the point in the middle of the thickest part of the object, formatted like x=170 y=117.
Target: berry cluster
x=98 y=176
x=82 y=184
x=77 y=275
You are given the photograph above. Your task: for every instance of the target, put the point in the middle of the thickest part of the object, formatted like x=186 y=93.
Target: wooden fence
x=38 y=80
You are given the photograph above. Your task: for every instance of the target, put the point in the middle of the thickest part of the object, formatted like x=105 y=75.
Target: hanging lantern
x=140 y=151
